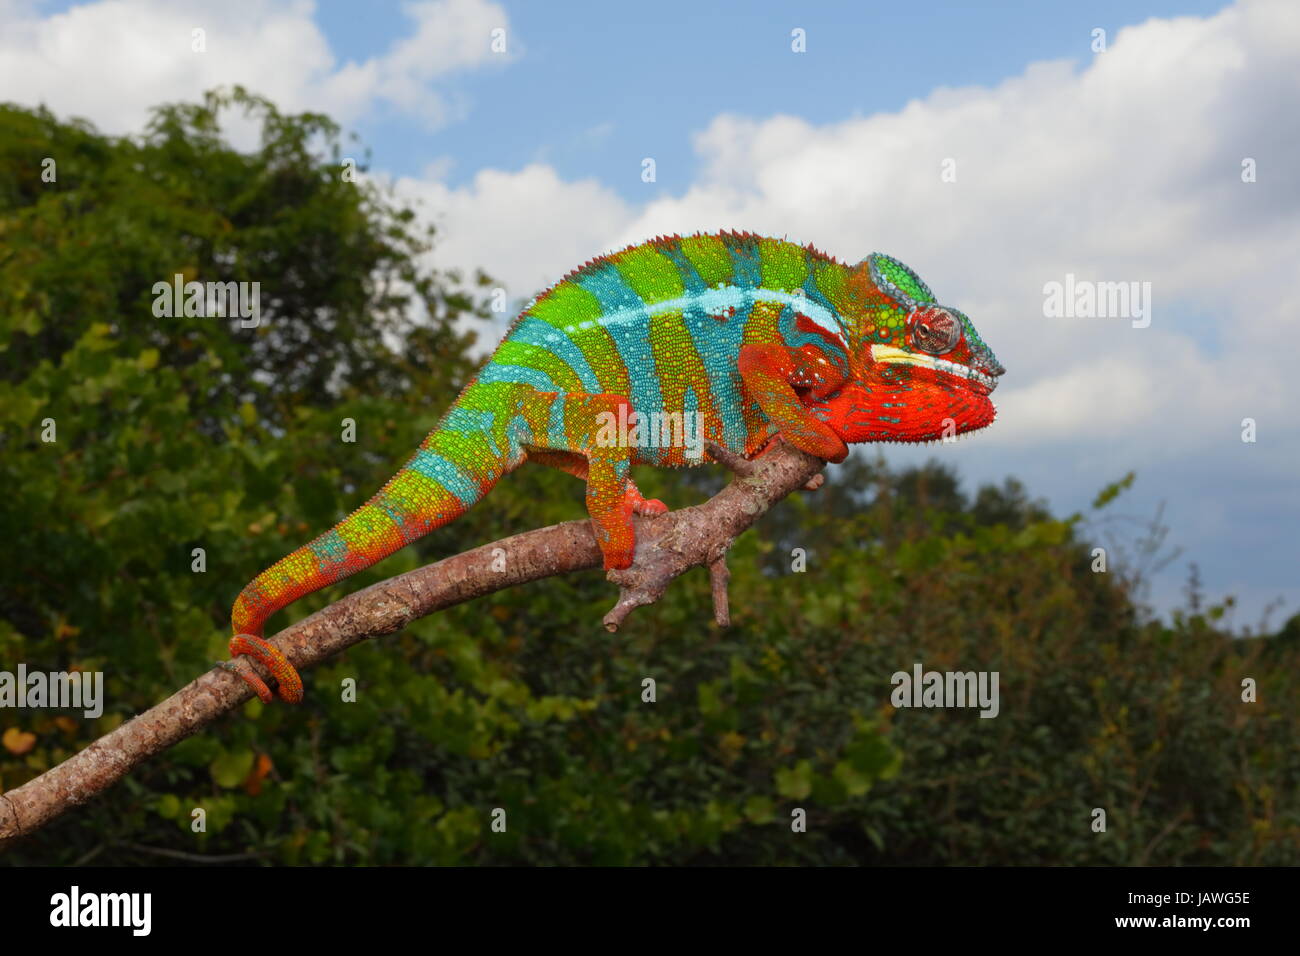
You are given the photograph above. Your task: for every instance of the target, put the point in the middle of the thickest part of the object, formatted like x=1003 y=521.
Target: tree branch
x=667 y=546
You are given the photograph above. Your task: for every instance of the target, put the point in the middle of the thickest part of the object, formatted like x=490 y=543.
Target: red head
x=921 y=371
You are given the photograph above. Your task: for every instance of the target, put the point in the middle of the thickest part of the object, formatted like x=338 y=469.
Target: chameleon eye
x=933 y=329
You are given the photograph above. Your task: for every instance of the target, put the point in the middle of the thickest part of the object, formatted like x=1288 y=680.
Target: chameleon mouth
x=892 y=356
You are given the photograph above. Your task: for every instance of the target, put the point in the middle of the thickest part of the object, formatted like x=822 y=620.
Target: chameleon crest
x=642 y=357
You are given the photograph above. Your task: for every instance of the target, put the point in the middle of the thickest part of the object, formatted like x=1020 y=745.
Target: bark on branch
x=667 y=546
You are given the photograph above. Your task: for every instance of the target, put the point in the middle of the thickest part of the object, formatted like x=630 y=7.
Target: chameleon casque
x=750 y=337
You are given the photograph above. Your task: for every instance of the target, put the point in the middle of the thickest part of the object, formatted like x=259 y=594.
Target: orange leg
x=584 y=442
x=574 y=464
x=771 y=374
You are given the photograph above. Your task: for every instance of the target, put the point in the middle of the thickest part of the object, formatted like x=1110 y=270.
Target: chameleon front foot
x=744 y=467
x=286 y=676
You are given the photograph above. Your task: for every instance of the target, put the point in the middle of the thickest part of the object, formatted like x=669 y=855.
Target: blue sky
x=593 y=101
x=1125 y=165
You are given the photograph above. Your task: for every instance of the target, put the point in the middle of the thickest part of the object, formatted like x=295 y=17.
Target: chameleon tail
x=442 y=481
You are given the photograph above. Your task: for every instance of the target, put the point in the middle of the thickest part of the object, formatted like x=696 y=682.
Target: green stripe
x=709 y=256
x=567 y=304
x=651 y=274
x=784 y=265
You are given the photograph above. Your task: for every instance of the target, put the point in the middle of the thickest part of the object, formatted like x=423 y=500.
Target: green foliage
x=176 y=434
x=1114 y=490
x=1099 y=707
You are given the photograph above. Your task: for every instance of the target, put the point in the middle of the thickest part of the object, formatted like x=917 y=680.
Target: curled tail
x=451 y=471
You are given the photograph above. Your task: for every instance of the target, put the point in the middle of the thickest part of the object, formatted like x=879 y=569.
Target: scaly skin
x=754 y=336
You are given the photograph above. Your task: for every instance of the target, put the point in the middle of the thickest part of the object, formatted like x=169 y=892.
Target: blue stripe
x=402 y=518
x=794 y=337
x=611 y=289
x=517 y=432
x=633 y=343
x=747 y=268
x=556 y=436
x=460 y=419
x=691 y=281
x=446 y=473
x=631 y=338
x=813 y=292
x=712 y=340
x=534 y=331
x=472 y=421
x=330 y=550
x=716 y=301
x=495 y=372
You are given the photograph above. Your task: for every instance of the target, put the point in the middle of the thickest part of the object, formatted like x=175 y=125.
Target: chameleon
x=743 y=338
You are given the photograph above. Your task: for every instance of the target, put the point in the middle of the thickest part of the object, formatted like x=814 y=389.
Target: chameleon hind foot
x=271 y=657
x=614 y=528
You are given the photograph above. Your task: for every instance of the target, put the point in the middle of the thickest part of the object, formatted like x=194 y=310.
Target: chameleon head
x=922 y=372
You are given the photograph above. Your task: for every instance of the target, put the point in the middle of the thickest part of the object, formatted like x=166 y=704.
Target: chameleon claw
x=271 y=657
x=642 y=506
x=649 y=506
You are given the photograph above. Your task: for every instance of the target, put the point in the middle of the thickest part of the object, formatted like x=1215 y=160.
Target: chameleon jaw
x=889 y=355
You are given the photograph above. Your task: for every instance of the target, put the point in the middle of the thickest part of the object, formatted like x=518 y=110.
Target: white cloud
x=110 y=61
x=525 y=228
x=449 y=35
